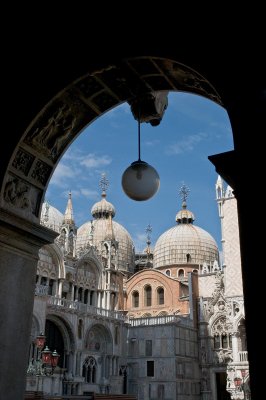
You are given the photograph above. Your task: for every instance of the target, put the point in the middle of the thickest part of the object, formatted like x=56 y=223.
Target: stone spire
x=103 y=210
x=219 y=188
x=69 y=216
x=68 y=232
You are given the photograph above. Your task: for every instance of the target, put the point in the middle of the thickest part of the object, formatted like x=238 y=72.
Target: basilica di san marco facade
x=164 y=324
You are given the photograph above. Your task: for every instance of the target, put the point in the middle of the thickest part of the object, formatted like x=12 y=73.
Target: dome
x=51 y=217
x=185 y=243
x=102 y=209
x=99 y=228
x=96 y=231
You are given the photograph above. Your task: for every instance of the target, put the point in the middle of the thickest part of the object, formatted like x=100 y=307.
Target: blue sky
x=192 y=129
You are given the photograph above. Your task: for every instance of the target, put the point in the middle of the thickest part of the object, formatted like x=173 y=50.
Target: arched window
x=54 y=340
x=224 y=341
x=160 y=295
x=43 y=281
x=80 y=291
x=89 y=370
x=147 y=296
x=116 y=334
x=216 y=342
x=181 y=273
x=195 y=271
x=86 y=296
x=168 y=272
x=80 y=329
x=242 y=341
x=221 y=336
x=188 y=257
x=92 y=298
x=162 y=314
x=135 y=299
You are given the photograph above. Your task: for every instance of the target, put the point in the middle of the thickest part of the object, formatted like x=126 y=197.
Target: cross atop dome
x=183 y=193
x=104 y=183
x=184 y=216
x=148 y=231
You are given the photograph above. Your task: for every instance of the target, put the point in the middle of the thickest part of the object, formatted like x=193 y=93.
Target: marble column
x=72 y=293
x=235 y=347
x=60 y=286
x=20 y=241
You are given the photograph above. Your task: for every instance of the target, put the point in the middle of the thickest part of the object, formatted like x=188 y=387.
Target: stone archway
x=30 y=167
x=78 y=105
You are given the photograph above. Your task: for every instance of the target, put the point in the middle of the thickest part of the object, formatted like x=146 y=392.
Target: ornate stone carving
x=185 y=78
x=18 y=194
x=222 y=326
x=23 y=161
x=217 y=298
x=89 y=86
x=41 y=172
x=55 y=132
x=223 y=356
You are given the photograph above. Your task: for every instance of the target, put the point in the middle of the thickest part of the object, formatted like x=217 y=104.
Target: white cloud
x=73 y=155
x=186 y=144
x=93 y=161
x=152 y=142
x=90 y=194
x=62 y=173
x=75 y=193
x=78 y=193
x=139 y=240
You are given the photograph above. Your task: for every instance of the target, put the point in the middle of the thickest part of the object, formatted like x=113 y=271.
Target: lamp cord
x=139 y=132
x=139 y=139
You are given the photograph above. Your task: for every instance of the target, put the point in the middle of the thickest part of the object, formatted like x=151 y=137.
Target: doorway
x=222 y=393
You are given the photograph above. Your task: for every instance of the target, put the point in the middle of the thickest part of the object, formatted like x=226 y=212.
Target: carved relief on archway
x=76 y=106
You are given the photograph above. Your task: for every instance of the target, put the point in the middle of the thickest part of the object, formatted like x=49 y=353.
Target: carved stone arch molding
x=67 y=331
x=76 y=106
x=97 y=330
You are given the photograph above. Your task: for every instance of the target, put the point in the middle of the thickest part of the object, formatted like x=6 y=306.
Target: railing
x=243 y=356
x=69 y=305
x=160 y=320
x=41 y=290
x=112 y=286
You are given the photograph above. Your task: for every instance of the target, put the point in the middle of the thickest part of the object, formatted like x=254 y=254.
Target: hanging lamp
x=140 y=181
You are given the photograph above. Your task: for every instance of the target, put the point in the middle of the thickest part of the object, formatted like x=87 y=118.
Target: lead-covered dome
x=185 y=243
x=99 y=228
x=102 y=209
x=102 y=227
x=51 y=217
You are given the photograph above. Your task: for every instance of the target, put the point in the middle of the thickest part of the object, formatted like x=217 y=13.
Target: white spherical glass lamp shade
x=140 y=181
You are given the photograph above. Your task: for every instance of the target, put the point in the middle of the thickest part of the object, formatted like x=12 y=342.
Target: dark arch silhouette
x=45 y=119
x=61 y=120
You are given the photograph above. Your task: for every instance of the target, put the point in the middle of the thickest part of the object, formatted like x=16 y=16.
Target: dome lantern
x=103 y=209
x=184 y=216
